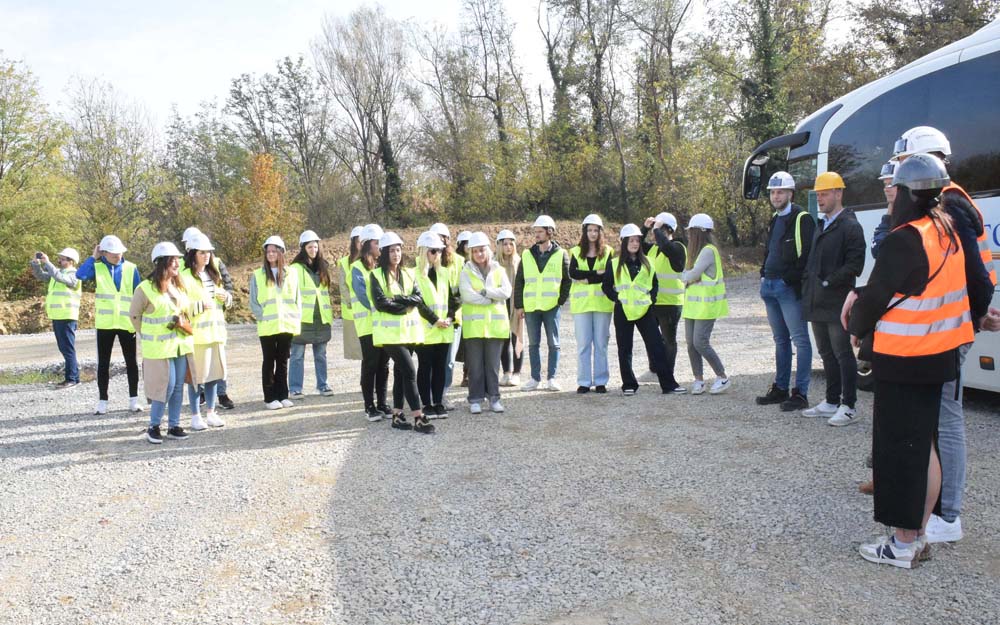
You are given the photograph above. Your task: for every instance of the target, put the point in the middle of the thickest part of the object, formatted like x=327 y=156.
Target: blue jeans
x=593 y=331
x=533 y=321
x=175 y=395
x=297 y=364
x=65 y=331
x=784 y=313
x=211 y=390
x=951 y=444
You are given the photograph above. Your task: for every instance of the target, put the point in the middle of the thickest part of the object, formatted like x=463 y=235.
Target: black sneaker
x=400 y=423
x=226 y=403
x=795 y=401
x=440 y=411
x=422 y=425
x=677 y=390
x=373 y=414
x=385 y=410
x=775 y=395
x=628 y=392
x=177 y=432
x=580 y=390
x=601 y=389
x=153 y=435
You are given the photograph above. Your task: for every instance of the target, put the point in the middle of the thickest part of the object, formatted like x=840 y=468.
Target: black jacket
x=398 y=304
x=541 y=258
x=633 y=266
x=793 y=264
x=836 y=259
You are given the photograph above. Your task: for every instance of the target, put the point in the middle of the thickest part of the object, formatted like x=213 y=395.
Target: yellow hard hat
x=829 y=180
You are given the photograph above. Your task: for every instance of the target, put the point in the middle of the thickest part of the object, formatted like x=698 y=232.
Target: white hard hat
x=921 y=140
x=479 y=239
x=544 y=221
x=430 y=239
x=356 y=231
x=71 y=254
x=781 y=180
x=667 y=220
x=199 y=241
x=388 y=239
x=307 y=237
x=371 y=232
x=629 y=230
x=700 y=220
x=274 y=240
x=887 y=171
x=165 y=248
x=592 y=219
x=441 y=230
x=463 y=236
x=188 y=233
x=112 y=244
x=505 y=234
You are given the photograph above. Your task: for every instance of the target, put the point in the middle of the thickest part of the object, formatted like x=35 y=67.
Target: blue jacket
x=87 y=271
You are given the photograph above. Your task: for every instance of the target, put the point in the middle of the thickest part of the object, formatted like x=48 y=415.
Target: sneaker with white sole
x=197 y=424
x=496 y=406
x=530 y=385
x=515 y=379
x=287 y=403
x=886 y=551
x=102 y=407
x=941 y=531
x=649 y=377
x=844 y=416
x=134 y=405
x=327 y=392
x=552 y=385
x=505 y=380
x=698 y=387
x=212 y=420
x=273 y=405
x=153 y=435
x=373 y=414
x=719 y=386
x=297 y=395
x=822 y=409
x=475 y=408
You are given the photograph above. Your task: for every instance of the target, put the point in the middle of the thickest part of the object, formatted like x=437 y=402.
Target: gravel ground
x=565 y=510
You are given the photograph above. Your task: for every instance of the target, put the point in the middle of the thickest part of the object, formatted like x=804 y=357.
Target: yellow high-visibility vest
x=282 y=313
x=485 y=321
x=310 y=293
x=210 y=324
x=584 y=297
x=541 y=288
x=669 y=286
x=633 y=294
x=111 y=305
x=706 y=299
x=158 y=341
x=436 y=297
x=362 y=316
x=390 y=329
x=346 y=299
x=62 y=302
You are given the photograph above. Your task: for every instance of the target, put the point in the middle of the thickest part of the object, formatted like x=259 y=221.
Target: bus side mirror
x=751 y=181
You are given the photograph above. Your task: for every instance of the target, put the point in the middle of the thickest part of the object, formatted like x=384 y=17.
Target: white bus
x=955 y=89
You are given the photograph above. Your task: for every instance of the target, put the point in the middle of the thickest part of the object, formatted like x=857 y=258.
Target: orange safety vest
x=982 y=240
x=938 y=319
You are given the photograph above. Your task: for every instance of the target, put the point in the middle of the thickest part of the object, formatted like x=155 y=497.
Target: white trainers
x=475 y=408
x=287 y=403
x=496 y=406
x=719 y=386
x=843 y=416
x=102 y=407
x=886 y=551
x=552 y=385
x=941 y=531
x=273 y=405
x=515 y=379
x=134 y=405
x=530 y=385
x=822 y=409
x=649 y=377
x=698 y=387
x=212 y=420
x=505 y=380
x=197 y=424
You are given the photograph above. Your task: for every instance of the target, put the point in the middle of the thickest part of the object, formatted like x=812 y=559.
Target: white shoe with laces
x=885 y=550
x=197 y=424
x=530 y=385
x=843 y=416
x=273 y=405
x=212 y=420
x=822 y=409
x=941 y=531
x=698 y=387
x=287 y=403
x=719 y=386
x=475 y=408
x=496 y=406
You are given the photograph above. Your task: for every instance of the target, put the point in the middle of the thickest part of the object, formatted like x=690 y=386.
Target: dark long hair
x=210 y=269
x=698 y=238
x=157 y=276
x=383 y=266
x=355 y=252
x=585 y=242
x=460 y=249
x=317 y=265
x=369 y=257
x=624 y=254
x=268 y=276
x=912 y=205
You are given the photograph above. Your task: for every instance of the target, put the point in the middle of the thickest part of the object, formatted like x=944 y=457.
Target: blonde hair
x=423 y=266
x=507 y=262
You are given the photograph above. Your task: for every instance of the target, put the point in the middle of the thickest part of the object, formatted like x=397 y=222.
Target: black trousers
x=668 y=317
x=433 y=365
x=650 y=333
x=374 y=372
x=840 y=366
x=105 y=343
x=507 y=355
x=404 y=377
x=274 y=370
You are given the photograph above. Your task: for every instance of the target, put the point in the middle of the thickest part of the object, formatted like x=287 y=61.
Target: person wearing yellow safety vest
x=704 y=302
x=434 y=282
x=591 y=309
x=62 y=306
x=541 y=287
x=398 y=327
x=513 y=348
x=457 y=348
x=630 y=282
x=276 y=304
x=484 y=289
x=916 y=304
x=668 y=256
x=374 y=360
x=317 y=315
x=352 y=348
x=116 y=280
x=156 y=313
x=452 y=261
x=209 y=299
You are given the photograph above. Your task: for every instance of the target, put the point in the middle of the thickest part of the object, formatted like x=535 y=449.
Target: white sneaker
x=134 y=405
x=843 y=416
x=822 y=409
x=287 y=403
x=505 y=380
x=886 y=551
x=719 y=386
x=296 y=395
x=530 y=385
x=273 y=405
x=649 y=377
x=515 y=379
x=552 y=385
x=197 y=424
x=212 y=420
x=327 y=392
x=102 y=407
x=698 y=387
x=941 y=531
x=475 y=408
x=496 y=406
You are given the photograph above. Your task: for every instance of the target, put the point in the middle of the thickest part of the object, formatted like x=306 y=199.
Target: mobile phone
x=38 y=255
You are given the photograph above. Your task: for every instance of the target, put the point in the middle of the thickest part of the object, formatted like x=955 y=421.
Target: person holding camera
x=62 y=306
x=160 y=313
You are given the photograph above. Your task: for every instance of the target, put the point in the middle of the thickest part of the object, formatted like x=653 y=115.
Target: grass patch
x=38 y=377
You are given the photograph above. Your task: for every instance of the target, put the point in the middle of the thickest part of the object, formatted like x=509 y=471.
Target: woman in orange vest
x=917 y=306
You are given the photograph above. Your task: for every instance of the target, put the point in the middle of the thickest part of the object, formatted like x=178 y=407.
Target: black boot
x=775 y=395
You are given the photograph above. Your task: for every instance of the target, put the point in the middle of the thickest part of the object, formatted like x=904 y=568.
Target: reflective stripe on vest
x=111 y=305
x=541 y=288
x=158 y=341
x=669 y=286
x=706 y=299
x=310 y=293
x=485 y=321
x=210 y=324
x=346 y=300
x=633 y=294
x=362 y=316
x=457 y=263
x=938 y=319
x=281 y=314
x=62 y=302
x=982 y=240
x=390 y=329
x=585 y=297
x=435 y=295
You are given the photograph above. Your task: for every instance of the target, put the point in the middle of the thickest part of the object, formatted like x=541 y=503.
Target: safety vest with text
x=633 y=293
x=669 y=286
x=485 y=321
x=390 y=329
x=158 y=341
x=583 y=296
x=210 y=324
x=982 y=241
x=111 y=305
x=282 y=312
x=541 y=288
x=62 y=302
x=706 y=299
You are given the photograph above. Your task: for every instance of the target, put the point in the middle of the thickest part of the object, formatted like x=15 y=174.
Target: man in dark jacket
x=836 y=260
x=789 y=240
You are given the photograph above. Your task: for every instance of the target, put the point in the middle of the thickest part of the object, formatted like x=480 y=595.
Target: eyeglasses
x=433 y=251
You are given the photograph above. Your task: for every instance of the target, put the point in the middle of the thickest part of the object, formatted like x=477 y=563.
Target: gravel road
x=565 y=510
